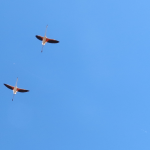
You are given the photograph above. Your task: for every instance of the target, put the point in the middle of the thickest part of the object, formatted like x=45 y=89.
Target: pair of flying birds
x=44 y=41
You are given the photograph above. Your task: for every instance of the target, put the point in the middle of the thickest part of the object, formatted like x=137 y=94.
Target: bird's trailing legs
x=13 y=97
x=42 y=48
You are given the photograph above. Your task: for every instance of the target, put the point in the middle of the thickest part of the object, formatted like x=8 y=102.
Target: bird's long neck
x=16 y=82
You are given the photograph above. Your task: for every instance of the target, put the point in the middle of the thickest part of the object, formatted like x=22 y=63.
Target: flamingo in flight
x=15 y=89
x=45 y=39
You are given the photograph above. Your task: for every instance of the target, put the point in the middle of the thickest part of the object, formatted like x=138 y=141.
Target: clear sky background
x=89 y=92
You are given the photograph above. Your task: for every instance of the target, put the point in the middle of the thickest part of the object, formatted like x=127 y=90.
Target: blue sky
x=90 y=91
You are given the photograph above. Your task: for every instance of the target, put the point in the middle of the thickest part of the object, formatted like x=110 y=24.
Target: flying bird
x=15 y=89
x=45 y=39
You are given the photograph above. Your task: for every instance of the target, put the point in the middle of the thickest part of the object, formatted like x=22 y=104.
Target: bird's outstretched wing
x=22 y=90
x=9 y=86
x=39 y=37
x=51 y=41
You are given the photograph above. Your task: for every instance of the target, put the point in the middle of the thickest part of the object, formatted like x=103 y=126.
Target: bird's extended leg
x=13 y=97
x=42 y=48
